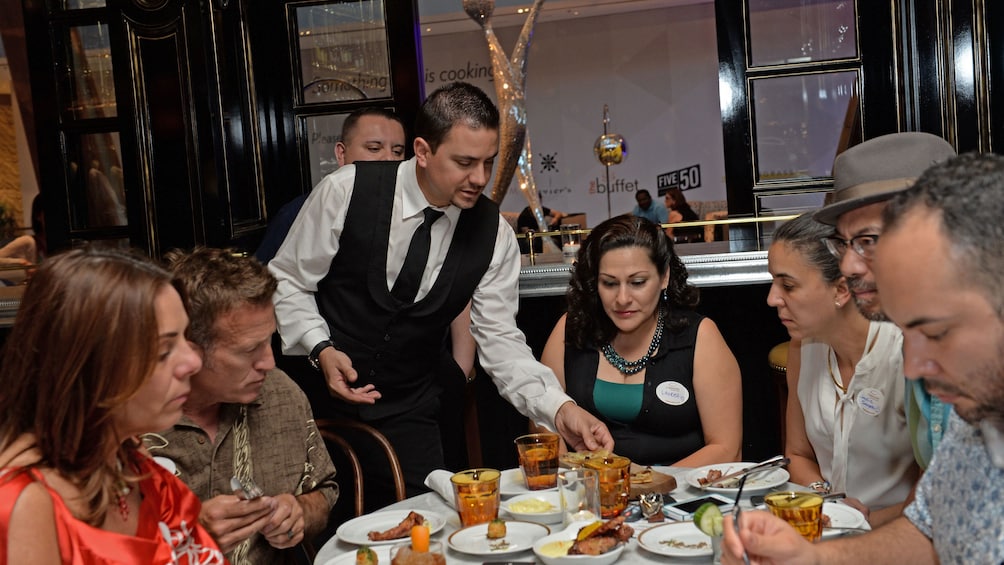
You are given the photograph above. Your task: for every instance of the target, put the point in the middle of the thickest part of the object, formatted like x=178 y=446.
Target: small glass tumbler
x=615 y=483
x=538 y=458
x=476 y=492
x=803 y=510
x=579 y=491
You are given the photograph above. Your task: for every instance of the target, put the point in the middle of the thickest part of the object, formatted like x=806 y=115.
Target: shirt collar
x=413 y=202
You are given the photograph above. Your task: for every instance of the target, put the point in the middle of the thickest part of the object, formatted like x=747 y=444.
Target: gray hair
x=805 y=235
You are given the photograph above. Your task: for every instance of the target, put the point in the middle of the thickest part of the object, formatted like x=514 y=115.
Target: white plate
x=843 y=516
x=356 y=530
x=654 y=538
x=757 y=482
x=349 y=557
x=551 y=516
x=519 y=537
x=511 y=483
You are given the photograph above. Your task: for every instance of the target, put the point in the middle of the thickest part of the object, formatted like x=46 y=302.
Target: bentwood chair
x=332 y=430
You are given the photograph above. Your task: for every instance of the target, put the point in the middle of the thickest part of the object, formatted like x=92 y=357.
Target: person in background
x=845 y=421
x=368 y=317
x=953 y=334
x=527 y=222
x=678 y=401
x=75 y=483
x=680 y=211
x=864 y=178
x=649 y=209
x=368 y=134
x=244 y=418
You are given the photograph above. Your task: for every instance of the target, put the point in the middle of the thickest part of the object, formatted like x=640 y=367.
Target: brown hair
x=215 y=282
x=84 y=341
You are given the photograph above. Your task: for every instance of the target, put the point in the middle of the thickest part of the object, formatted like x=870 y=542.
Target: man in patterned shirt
x=244 y=418
x=940 y=270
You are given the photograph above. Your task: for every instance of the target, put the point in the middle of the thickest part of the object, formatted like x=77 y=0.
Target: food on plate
x=601 y=537
x=641 y=476
x=556 y=548
x=496 y=529
x=420 y=538
x=531 y=506
x=399 y=531
x=826 y=520
x=366 y=556
x=408 y=556
x=575 y=459
x=680 y=544
x=708 y=519
x=712 y=476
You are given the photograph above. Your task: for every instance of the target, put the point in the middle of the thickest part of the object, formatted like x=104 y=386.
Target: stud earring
x=838 y=304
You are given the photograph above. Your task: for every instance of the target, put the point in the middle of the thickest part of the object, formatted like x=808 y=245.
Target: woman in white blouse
x=845 y=419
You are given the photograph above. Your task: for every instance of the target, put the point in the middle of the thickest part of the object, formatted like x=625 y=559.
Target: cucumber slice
x=708 y=519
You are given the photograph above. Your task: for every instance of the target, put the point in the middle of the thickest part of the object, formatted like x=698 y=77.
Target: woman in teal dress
x=632 y=351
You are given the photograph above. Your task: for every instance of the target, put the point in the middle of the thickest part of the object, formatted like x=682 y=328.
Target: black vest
x=396 y=346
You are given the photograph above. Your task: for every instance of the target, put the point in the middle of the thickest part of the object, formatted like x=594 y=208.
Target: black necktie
x=406 y=286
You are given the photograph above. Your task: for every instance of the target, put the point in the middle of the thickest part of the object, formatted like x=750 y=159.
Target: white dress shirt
x=305 y=257
x=860 y=437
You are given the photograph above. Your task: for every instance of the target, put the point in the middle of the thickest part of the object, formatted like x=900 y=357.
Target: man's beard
x=989 y=392
x=868 y=308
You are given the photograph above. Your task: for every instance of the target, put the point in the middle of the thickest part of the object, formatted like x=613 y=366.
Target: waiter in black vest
x=383 y=256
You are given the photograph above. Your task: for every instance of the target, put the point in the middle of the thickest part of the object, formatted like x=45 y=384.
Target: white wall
x=658 y=72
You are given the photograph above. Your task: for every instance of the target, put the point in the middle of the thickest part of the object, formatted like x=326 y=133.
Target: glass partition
x=343 y=52
x=90 y=88
x=798 y=122
x=94 y=175
x=795 y=31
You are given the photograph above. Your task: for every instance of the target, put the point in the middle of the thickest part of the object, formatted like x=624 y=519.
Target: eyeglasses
x=863 y=245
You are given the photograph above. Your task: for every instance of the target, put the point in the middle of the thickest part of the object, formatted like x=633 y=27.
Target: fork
x=737 y=511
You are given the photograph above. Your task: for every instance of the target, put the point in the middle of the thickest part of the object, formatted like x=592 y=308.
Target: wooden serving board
x=661 y=482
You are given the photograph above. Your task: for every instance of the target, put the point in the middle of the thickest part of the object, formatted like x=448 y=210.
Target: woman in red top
x=97 y=356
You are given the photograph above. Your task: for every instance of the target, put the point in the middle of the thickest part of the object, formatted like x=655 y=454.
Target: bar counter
x=708 y=264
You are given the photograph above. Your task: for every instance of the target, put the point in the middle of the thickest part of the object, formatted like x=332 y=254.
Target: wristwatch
x=315 y=353
x=822 y=487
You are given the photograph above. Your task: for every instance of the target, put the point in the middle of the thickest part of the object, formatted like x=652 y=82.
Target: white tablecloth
x=432 y=501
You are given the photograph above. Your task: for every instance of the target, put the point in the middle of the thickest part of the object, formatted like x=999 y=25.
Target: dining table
x=334 y=550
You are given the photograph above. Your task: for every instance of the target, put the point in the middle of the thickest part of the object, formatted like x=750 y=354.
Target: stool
x=777 y=359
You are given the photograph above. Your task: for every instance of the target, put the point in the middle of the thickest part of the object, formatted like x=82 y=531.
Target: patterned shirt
x=287 y=453
x=960 y=499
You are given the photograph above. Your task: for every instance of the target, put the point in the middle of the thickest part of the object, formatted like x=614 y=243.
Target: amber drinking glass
x=538 y=458
x=803 y=510
x=476 y=492
x=615 y=483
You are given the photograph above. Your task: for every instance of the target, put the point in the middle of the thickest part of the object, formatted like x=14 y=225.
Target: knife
x=777 y=461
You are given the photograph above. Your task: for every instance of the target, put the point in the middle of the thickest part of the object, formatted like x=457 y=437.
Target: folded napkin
x=439 y=481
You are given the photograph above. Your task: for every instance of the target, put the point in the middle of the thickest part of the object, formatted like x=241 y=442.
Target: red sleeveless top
x=168 y=533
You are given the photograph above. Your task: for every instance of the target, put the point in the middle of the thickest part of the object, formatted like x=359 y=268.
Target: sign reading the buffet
x=656 y=69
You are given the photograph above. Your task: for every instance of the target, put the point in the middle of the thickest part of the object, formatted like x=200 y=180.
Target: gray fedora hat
x=877 y=169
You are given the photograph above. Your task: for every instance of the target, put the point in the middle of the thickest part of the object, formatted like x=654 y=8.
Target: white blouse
x=860 y=437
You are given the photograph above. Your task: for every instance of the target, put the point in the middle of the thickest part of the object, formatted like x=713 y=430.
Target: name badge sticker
x=672 y=393
x=871 y=401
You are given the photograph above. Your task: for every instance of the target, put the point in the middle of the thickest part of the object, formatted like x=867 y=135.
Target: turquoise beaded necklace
x=631 y=367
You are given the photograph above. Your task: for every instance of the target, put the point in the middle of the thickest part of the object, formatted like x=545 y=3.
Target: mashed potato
x=532 y=506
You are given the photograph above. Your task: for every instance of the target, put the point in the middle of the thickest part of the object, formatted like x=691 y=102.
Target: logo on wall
x=549 y=162
x=684 y=179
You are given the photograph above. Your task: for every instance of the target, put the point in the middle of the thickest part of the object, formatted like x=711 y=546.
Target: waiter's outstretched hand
x=340 y=375
x=582 y=430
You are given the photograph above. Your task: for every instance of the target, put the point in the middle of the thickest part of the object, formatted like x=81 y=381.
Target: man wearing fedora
x=865 y=177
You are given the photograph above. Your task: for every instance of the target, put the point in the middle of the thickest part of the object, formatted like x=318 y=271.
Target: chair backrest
x=330 y=431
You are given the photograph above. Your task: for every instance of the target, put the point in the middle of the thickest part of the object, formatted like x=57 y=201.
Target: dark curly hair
x=587 y=324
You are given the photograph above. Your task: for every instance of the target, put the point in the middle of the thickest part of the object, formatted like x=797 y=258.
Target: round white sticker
x=672 y=393
x=871 y=401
